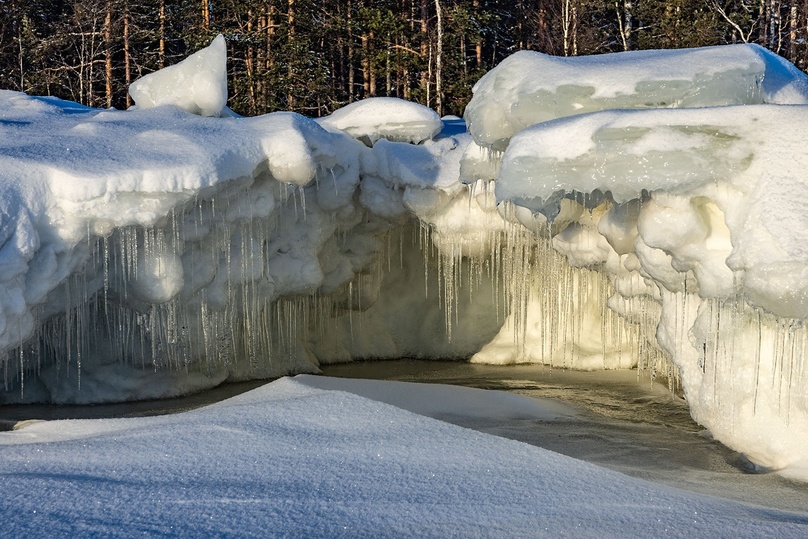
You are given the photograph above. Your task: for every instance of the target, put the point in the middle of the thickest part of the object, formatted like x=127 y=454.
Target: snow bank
x=302 y=461
x=697 y=209
x=375 y=118
x=153 y=252
x=530 y=87
x=197 y=84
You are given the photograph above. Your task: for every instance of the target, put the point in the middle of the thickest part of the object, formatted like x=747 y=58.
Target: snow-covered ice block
x=198 y=84
x=624 y=153
x=530 y=87
x=385 y=118
x=745 y=162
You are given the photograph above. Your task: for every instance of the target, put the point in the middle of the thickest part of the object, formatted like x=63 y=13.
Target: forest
x=316 y=56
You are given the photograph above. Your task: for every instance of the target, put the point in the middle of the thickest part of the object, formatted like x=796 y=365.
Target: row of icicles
x=188 y=336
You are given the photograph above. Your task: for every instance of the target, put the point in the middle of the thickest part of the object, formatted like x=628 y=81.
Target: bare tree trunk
x=429 y=78
x=268 y=62
x=792 y=34
x=162 y=56
x=438 y=61
x=365 y=67
x=127 y=59
x=351 y=71
x=388 y=76
x=478 y=46
x=625 y=21
x=371 y=67
x=425 y=48
x=407 y=76
x=205 y=14
x=773 y=16
x=463 y=56
x=108 y=53
x=566 y=25
x=21 y=58
x=250 y=64
x=764 y=23
x=628 y=17
x=290 y=20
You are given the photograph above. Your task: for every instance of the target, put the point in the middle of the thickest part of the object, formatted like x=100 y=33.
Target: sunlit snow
x=290 y=459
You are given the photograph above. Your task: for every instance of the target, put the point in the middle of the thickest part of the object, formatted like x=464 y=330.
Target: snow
x=709 y=190
x=292 y=459
x=529 y=87
x=197 y=84
x=376 y=118
x=159 y=251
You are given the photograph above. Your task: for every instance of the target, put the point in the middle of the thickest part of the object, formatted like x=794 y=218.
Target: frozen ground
x=291 y=459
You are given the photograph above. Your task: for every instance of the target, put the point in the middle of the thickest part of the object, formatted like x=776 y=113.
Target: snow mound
x=307 y=462
x=197 y=84
x=388 y=118
x=530 y=87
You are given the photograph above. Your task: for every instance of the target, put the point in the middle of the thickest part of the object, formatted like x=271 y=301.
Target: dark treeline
x=315 y=56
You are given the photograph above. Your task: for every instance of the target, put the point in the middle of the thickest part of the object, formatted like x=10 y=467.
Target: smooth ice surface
x=290 y=459
x=198 y=84
x=530 y=87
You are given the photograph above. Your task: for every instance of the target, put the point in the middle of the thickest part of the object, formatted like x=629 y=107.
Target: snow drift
x=162 y=250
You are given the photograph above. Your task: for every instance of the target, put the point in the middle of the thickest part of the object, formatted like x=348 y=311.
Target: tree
x=315 y=56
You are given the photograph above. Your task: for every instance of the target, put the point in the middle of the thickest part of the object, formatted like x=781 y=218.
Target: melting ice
x=165 y=249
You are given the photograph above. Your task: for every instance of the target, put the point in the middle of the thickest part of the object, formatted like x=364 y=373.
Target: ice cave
x=633 y=210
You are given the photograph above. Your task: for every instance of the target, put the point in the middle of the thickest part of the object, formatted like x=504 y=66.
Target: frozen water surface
x=617 y=420
x=328 y=457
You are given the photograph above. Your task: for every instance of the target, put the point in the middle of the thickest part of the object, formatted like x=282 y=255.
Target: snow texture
x=292 y=460
x=388 y=118
x=529 y=87
x=197 y=84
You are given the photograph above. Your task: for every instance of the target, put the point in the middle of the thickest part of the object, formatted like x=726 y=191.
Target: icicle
x=302 y=191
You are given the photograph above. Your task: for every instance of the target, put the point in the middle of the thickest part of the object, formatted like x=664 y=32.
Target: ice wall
x=695 y=209
x=154 y=252
x=159 y=251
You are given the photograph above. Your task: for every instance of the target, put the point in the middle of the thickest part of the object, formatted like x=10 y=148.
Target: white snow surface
x=291 y=460
x=530 y=87
x=197 y=84
x=375 y=118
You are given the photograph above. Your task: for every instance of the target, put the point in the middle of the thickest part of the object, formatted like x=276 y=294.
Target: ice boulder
x=530 y=87
x=198 y=84
x=385 y=118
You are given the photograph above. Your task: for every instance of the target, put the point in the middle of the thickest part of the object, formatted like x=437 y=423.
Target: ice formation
x=197 y=84
x=529 y=87
x=156 y=251
x=697 y=209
